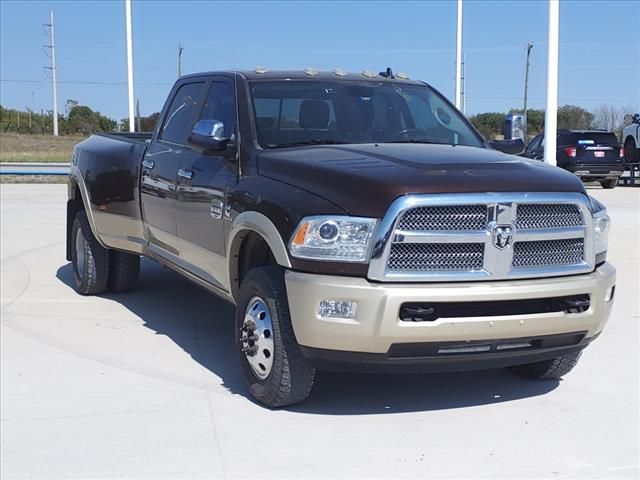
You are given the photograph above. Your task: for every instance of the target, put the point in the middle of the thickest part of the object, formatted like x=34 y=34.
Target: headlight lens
x=340 y=239
x=601 y=223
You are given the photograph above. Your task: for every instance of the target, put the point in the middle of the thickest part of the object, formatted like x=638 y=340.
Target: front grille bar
x=544 y=218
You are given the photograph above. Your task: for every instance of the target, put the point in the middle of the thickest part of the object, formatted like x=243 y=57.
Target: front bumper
x=377 y=328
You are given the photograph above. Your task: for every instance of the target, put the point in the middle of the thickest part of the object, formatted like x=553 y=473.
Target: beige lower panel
x=377 y=325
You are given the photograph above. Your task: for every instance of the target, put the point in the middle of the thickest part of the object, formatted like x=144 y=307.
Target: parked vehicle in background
x=592 y=155
x=631 y=141
x=357 y=221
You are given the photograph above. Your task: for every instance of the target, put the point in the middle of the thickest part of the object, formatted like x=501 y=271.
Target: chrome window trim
x=497 y=263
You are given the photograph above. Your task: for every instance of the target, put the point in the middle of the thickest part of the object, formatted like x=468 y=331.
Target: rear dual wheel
x=97 y=269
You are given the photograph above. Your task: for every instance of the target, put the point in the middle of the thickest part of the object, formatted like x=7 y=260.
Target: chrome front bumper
x=377 y=326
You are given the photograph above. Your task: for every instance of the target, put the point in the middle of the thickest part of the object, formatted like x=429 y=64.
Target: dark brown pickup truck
x=357 y=222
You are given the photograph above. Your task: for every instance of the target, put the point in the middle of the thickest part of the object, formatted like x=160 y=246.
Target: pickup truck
x=358 y=222
x=631 y=140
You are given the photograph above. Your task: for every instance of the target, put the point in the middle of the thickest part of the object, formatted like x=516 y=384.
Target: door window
x=180 y=117
x=221 y=105
x=534 y=145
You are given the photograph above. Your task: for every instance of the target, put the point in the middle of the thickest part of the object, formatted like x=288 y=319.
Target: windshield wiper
x=413 y=140
x=318 y=141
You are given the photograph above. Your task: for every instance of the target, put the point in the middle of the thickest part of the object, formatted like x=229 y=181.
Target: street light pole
x=459 y=54
x=127 y=7
x=551 y=114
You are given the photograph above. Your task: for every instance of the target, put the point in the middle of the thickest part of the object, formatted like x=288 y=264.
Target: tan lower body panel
x=377 y=324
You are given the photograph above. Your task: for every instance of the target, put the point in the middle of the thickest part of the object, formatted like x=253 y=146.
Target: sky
x=599 y=47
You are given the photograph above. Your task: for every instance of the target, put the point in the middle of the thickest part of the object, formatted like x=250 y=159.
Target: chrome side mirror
x=208 y=135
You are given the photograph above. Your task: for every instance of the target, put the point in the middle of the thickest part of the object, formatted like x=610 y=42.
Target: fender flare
x=75 y=176
x=258 y=223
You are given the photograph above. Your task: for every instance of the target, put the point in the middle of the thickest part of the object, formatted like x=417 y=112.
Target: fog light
x=609 y=295
x=337 y=309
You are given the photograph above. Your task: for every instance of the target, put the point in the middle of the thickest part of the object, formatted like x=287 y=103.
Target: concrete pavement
x=147 y=385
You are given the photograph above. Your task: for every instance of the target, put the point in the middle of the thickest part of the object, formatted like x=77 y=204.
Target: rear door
x=596 y=148
x=202 y=191
x=160 y=166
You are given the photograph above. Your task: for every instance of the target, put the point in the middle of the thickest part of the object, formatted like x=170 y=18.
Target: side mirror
x=511 y=147
x=208 y=135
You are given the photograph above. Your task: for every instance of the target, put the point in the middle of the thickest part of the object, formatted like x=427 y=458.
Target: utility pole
x=551 y=114
x=138 y=114
x=463 y=93
x=180 y=50
x=458 y=54
x=526 y=86
x=127 y=8
x=54 y=86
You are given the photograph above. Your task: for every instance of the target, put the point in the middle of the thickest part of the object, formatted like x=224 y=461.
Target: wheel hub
x=256 y=338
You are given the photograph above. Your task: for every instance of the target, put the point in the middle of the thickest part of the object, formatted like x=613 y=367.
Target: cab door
x=203 y=179
x=160 y=165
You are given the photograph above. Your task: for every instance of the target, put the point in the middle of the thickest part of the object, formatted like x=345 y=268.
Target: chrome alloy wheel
x=80 y=253
x=257 y=338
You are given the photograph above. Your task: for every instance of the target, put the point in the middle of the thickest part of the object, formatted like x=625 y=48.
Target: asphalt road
x=147 y=384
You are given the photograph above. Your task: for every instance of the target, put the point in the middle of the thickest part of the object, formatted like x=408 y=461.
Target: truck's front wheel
x=277 y=373
x=89 y=259
x=549 y=369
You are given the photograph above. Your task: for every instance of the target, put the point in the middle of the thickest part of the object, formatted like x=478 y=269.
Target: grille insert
x=534 y=216
x=459 y=217
x=417 y=257
x=548 y=253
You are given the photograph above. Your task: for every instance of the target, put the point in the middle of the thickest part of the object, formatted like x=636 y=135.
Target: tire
x=124 y=269
x=630 y=151
x=609 y=183
x=287 y=377
x=89 y=259
x=549 y=369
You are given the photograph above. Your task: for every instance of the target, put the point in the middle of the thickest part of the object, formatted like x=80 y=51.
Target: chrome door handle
x=148 y=164
x=185 y=173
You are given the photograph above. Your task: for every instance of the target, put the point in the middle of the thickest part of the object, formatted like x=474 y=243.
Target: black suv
x=593 y=155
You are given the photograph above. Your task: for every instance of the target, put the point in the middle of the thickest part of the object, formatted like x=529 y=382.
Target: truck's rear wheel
x=609 y=183
x=124 y=269
x=549 y=369
x=630 y=151
x=89 y=259
x=277 y=373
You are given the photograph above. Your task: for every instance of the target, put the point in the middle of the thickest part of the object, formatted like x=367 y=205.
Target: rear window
x=593 y=138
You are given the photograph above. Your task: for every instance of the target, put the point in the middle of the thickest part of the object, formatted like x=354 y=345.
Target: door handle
x=148 y=164
x=185 y=173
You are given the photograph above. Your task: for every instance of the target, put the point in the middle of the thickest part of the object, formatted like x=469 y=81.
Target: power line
x=85 y=82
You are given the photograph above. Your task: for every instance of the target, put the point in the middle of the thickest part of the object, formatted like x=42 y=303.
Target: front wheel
x=277 y=373
x=609 y=183
x=549 y=369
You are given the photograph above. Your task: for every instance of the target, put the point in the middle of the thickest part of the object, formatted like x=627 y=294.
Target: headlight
x=601 y=222
x=340 y=239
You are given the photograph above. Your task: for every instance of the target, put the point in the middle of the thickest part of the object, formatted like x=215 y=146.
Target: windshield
x=290 y=113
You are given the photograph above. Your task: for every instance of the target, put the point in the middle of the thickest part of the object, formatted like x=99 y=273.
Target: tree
x=147 y=124
x=612 y=119
x=574 y=117
x=82 y=119
x=490 y=124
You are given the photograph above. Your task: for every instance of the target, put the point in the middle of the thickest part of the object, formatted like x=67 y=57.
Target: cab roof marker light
x=310 y=71
x=261 y=70
x=339 y=72
x=402 y=76
x=369 y=74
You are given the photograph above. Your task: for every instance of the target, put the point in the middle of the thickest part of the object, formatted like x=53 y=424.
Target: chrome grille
x=547 y=216
x=457 y=217
x=483 y=236
x=411 y=257
x=548 y=253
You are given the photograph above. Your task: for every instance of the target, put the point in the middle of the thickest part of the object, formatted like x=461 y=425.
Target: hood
x=365 y=179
